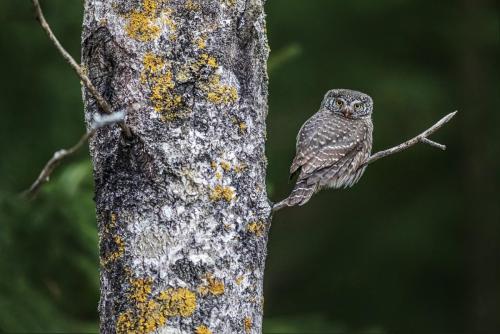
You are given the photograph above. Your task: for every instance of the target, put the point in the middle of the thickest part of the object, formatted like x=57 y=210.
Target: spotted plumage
x=332 y=145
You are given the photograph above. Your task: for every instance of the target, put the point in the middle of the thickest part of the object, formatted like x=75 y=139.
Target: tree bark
x=182 y=207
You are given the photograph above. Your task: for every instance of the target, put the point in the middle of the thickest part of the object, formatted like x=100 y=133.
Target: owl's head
x=348 y=103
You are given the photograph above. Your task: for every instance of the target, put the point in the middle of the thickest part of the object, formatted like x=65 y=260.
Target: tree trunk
x=182 y=208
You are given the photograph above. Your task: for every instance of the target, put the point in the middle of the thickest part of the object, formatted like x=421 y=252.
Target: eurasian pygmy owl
x=332 y=145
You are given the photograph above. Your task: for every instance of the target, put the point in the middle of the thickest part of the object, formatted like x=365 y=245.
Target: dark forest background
x=413 y=248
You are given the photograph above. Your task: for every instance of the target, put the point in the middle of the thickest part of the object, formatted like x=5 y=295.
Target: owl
x=332 y=146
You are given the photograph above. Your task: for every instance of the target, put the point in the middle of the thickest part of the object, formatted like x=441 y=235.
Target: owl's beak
x=347 y=111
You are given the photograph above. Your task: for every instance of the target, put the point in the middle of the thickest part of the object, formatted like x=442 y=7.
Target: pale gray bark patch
x=182 y=208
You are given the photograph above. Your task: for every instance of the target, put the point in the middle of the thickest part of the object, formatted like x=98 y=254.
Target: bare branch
x=433 y=143
x=421 y=138
x=62 y=154
x=105 y=106
x=56 y=159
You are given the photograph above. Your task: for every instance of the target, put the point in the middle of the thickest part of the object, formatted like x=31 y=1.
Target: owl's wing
x=306 y=133
x=331 y=143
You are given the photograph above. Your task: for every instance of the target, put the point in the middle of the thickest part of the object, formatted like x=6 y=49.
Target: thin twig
x=54 y=162
x=60 y=155
x=433 y=143
x=421 y=138
x=105 y=106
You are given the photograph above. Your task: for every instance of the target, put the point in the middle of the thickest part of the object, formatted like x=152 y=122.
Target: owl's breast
x=347 y=171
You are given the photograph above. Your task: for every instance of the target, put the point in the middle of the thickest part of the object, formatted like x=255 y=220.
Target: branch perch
x=60 y=155
x=105 y=106
x=421 y=138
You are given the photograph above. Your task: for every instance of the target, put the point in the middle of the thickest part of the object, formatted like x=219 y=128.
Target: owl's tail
x=300 y=195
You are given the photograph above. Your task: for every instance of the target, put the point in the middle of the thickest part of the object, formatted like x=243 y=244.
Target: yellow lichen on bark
x=153 y=64
x=141 y=27
x=162 y=84
x=220 y=192
x=256 y=228
x=112 y=224
x=247 y=324
x=202 y=330
x=225 y=165
x=201 y=43
x=211 y=285
x=239 y=279
x=118 y=241
x=141 y=289
x=240 y=168
x=144 y=25
x=158 y=73
x=216 y=288
x=206 y=59
x=177 y=302
x=113 y=256
x=163 y=97
x=150 y=6
x=151 y=312
x=182 y=75
x=146 y=316
x=242 y=127
x=190 y=5
x=218 y=93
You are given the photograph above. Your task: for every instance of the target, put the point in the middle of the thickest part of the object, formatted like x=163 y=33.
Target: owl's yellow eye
x=358 y=106
x=339 y=103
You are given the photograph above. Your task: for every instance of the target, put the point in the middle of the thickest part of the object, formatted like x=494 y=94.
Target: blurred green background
x=413 y=248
